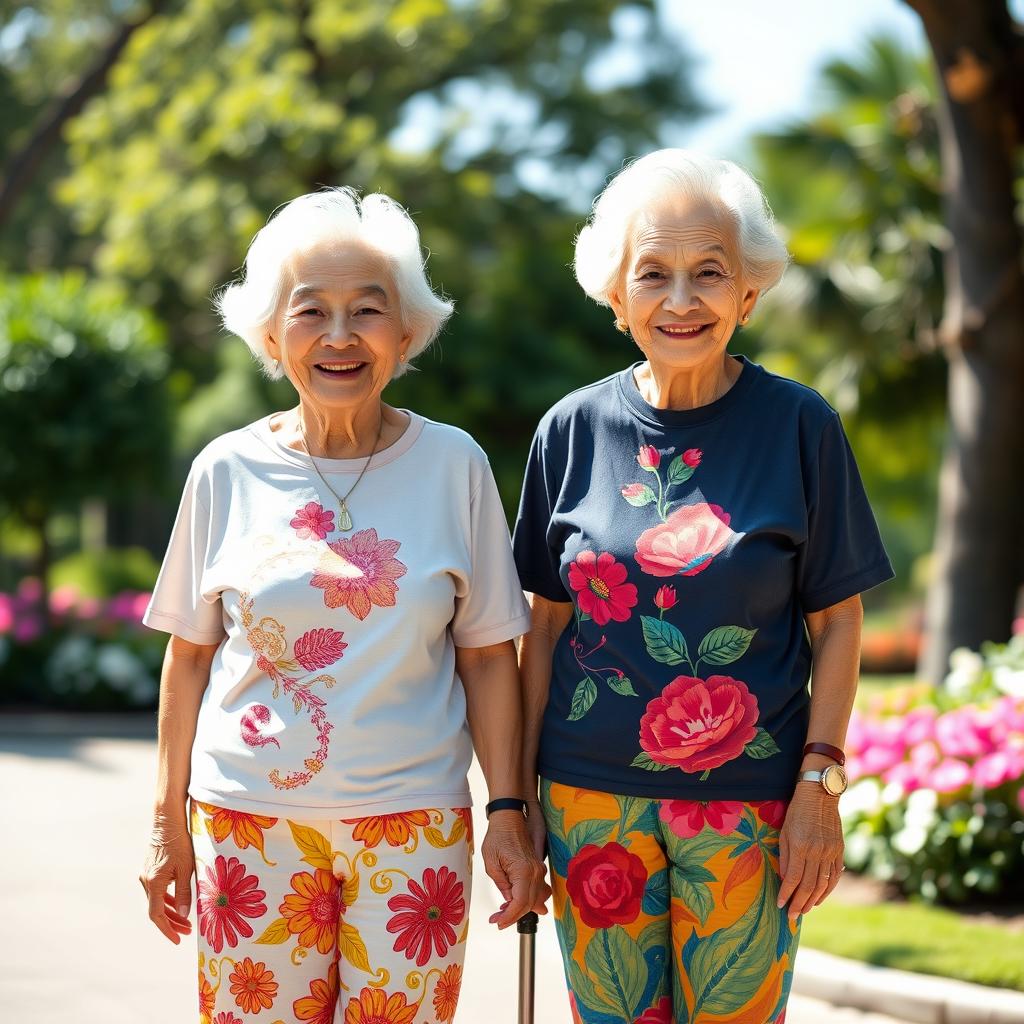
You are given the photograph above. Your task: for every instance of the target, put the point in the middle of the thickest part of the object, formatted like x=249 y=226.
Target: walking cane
x=527 y=928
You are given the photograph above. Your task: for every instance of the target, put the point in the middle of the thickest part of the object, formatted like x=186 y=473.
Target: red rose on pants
x=697 y=724
x=606 y=885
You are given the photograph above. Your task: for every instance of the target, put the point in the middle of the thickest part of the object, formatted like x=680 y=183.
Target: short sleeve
x=493 y=608
x=537 y=561
x=178 y=605
x=843 y=553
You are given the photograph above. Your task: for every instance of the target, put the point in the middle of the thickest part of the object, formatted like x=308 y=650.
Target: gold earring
x=743 y=321
x=401 y=358
x=621 y=325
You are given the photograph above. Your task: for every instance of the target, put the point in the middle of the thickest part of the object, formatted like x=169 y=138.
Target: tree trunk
x=979 y=544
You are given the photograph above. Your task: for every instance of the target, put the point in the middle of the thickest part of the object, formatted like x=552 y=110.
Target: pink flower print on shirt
x=686 y=542
x=665 y=598
x=359 y=572
x=601 y=588
x=649 y=458
x=692 y=457
x=312 y=521
x=252 y=721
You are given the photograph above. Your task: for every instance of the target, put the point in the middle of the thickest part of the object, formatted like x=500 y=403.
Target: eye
x=710 y=273
x=651 y=275
x=311 y=311
x=368 y=311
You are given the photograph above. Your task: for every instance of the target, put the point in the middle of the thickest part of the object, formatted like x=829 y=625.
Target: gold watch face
x=833 y=778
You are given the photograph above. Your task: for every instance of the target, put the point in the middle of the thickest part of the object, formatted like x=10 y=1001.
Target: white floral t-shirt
x=333 y=690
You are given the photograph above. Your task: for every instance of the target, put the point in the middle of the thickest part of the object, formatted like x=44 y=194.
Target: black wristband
x=506 y=803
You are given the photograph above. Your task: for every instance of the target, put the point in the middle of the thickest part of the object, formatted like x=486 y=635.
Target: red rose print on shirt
x=698 y=724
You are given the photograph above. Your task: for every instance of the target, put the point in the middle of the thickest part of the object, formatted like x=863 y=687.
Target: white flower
x=72 y=656
x=1009 y=680
x=921 y=809
x=863 y=797
x=910 y=839
x=118 y=667
x=892 y=794
x=966 y=667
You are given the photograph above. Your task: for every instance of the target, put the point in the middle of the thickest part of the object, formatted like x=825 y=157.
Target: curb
x=911 y=997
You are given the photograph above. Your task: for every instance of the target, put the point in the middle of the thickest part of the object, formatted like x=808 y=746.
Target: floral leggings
x=666 y=909
x=295 y=915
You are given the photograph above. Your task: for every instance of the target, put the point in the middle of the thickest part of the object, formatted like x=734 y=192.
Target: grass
x=917 y=937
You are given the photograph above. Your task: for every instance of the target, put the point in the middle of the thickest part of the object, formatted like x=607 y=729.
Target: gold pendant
x=344 y=519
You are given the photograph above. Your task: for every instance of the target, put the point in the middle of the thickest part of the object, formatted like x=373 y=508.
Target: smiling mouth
x=346 y=369
x=684 y=332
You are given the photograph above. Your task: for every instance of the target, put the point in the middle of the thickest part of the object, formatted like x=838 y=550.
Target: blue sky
x=760 y=58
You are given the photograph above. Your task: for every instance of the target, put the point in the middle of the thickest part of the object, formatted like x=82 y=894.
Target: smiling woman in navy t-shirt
x=694 y=536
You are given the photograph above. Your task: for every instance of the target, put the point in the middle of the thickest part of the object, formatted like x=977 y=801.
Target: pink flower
x=919 y=725
x=698 y=724
x=30 y=590
x=665 y=598
x=994 y=769
x=649 y=458
x=6 y=614
x=601 y=588
x=312 y=520
x=687 y=818
x=139 y=605
x=359 y=572
x=906 y=775
x=957 y=736
x=692 y=457
x=27 y=628
x=686 y=542
x=63 y=599
x=88 y=608
x=950 y=775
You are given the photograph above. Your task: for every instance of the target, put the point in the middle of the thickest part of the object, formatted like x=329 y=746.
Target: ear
x=273 y=348
x=615 y=301
x=749 y=301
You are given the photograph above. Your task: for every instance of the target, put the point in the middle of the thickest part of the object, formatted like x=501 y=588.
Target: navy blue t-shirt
x=691 y=544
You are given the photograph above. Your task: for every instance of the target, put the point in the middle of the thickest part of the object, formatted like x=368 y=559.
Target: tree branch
x=23 y=165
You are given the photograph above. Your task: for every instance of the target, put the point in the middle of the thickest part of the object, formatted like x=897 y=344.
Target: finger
x=807 y=891
x=497 y=874
x=791 y=877
x=519 y=901
x=783 y=855
x=183 y=890
x=157 y=913
x=837 y=869
x=178 y=921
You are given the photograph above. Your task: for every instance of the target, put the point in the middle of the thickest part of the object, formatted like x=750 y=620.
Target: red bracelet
x=836 y=753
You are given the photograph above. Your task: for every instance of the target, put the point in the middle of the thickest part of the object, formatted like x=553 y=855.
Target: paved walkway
x=77 y=946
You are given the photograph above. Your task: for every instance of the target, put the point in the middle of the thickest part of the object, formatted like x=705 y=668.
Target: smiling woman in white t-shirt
x=342 y=601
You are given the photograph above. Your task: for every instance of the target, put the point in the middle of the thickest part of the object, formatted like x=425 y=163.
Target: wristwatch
x=832 y=779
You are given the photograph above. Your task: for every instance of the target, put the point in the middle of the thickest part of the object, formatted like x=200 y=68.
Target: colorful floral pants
x=666 y=909
x=321 y=922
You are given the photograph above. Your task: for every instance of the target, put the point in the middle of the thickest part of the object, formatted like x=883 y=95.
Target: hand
x=513 y=865
x=810 y=849
x=169 y=860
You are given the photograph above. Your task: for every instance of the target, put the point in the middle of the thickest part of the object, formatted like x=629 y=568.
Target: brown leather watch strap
x=836 y=753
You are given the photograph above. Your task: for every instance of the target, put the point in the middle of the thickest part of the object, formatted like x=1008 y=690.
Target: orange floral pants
x=359 y=921
x=666 y=910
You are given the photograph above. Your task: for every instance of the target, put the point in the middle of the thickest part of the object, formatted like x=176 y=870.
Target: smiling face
x=681 y=290
x=338 y=330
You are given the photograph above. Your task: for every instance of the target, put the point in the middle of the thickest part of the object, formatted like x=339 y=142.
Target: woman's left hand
x=512 y=864
x=810 y=849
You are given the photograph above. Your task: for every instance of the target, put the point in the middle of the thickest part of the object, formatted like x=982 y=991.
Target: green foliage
x=857 y=189
x=83 y=399
x=105 y=573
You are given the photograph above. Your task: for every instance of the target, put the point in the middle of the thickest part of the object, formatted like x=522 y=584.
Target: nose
x=681 y=296
x=339 y=331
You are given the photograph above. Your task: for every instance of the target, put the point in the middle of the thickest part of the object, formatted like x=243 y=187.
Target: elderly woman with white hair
x=341 y=598
x=694 y=537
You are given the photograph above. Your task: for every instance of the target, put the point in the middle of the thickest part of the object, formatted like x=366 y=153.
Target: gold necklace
x=344 y=516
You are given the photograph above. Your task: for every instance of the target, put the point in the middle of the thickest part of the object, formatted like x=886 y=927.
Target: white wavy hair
x=247 y=306
x=601 y=245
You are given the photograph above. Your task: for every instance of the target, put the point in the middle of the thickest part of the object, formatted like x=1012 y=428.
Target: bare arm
x=186 y=672
x=811 y=845
x=490 y=678
x=548 y=620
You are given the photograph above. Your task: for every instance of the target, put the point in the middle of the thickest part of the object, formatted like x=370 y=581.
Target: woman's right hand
x=537 y=829
x=169 y=861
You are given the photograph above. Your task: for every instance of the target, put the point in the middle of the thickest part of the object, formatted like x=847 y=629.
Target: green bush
x=105 y=573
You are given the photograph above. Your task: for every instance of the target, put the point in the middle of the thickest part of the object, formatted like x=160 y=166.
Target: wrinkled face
x=338 y=329
x=681 y=290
